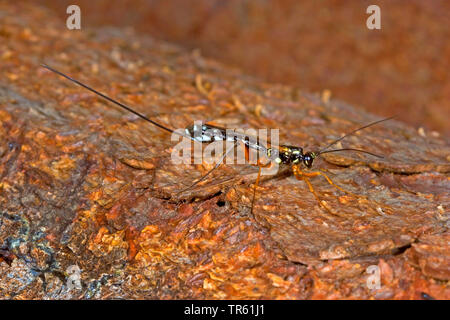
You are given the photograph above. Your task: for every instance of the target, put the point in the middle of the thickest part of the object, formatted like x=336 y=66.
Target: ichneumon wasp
x=284 y=154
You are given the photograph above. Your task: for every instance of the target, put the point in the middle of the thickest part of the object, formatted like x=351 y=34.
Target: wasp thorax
x=286 y=154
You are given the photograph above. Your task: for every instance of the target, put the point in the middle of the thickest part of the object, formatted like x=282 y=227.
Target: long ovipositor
x=123 y=106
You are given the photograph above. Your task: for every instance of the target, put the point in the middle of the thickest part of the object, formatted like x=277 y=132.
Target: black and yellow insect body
x=289 y=155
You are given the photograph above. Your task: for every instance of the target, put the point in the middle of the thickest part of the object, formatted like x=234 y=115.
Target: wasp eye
x=308 y=159
x=308 y=162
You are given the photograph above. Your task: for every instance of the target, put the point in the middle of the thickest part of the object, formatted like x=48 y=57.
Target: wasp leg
x=222 y=158
x=300 y=175
x=320 y=173
x=255 y=185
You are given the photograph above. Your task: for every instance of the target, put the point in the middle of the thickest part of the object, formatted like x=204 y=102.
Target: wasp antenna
x=351 y=149
x=353 y=132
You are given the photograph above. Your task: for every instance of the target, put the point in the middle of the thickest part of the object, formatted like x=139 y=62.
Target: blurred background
x=402 y=69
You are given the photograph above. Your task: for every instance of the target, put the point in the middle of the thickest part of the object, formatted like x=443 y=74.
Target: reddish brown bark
x=85 y=183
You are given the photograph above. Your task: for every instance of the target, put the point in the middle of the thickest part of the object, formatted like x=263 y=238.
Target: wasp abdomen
x=205 y=133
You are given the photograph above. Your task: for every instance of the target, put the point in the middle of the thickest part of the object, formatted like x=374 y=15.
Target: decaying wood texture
x=83 y=183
